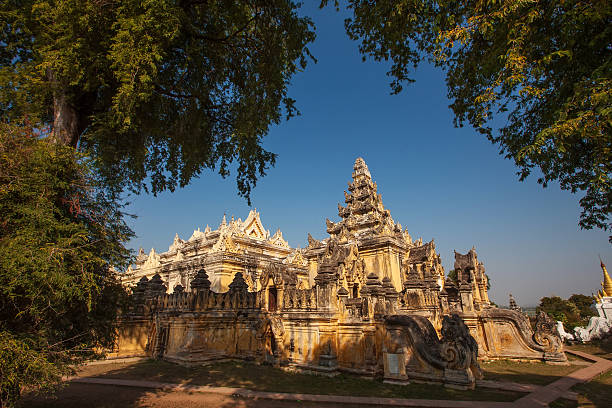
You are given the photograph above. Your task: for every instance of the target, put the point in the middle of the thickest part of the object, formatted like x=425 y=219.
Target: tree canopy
x=573 y=312
x=158 y=90
x=534 y=76
x=60 y=231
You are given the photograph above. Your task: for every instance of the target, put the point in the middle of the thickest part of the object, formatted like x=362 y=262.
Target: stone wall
x=314 y=329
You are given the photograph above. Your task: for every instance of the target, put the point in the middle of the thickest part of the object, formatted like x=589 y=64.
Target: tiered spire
x=513 y=305
x=364 y=212
x=606 y=284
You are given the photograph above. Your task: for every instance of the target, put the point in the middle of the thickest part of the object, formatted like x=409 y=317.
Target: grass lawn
x=602 y=349
x=525 y=373
x=594 y=394
x=264 y=378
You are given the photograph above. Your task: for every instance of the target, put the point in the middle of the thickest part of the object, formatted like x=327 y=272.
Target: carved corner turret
x=200 y=282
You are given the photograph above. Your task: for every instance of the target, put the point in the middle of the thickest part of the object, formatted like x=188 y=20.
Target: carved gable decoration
x=235 y=228
x=278 y=240
x=334 y=254
x=344 y=235
x=296 y=259
x=152 y=260
x=197 y=235
x=271 y=272
x=225 y=243
x=407 y=237
x=467 y=261
x=354 y=266
x=423 y=253
x=176 y=244
x=141 y=256
x=313 y=243
x=279 y=276
x=253 y=228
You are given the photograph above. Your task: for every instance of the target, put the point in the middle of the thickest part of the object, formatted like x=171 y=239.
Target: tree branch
x=229 y=36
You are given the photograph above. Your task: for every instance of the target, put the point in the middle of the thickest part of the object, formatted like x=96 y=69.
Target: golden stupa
x=606 y=284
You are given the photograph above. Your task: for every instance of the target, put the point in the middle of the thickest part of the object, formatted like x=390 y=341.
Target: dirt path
x=80 y=395
x=110 y=393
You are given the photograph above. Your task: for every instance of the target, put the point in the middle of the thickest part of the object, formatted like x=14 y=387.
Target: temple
x=599 y=326
x=235 y=246
x=606 y=285
x=368 y=299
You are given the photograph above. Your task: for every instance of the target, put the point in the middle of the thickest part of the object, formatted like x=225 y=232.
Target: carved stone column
x=326 y=284
x=328 y=344
x=444 y=301
x=466 y=295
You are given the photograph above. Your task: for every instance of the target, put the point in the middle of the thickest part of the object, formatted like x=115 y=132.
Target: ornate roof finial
x=361 y=168
x=513 y=305
x=606 y=285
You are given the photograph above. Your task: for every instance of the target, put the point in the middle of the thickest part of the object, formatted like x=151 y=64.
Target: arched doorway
x=272 y=299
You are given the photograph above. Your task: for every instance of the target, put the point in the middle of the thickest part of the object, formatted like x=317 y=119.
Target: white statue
x=596 y=329
x=564 y=335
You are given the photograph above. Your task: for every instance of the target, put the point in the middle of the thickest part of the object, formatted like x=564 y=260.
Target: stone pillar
x=343 y=295
x=369 y=344
x=329 y=352
x=326 y=285
x=482 y=286
x=444 y=301
x=155 y=289
x=391 y=296
x=475 y=289
x=377 y=294
x=466 y=296
x=200 y=286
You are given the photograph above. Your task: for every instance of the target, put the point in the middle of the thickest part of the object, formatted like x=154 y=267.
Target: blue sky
x=438 y=181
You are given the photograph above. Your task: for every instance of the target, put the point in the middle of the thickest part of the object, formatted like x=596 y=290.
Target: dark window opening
x=272 y=299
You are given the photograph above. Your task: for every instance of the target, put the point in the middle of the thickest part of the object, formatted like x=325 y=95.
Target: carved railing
x=205 y=300
x=356 y=308
x=300 y=299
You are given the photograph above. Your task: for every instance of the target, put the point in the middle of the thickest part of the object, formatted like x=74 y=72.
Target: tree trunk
x=65 y=121
x=66 y=129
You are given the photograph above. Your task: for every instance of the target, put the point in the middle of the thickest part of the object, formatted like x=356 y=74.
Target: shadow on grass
x=74 y=395
x=526 y=373
x=595 y=393
x=599 y=348
x=563 y=403
x=241 y=374
x=78 y=395
x=235 y=374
